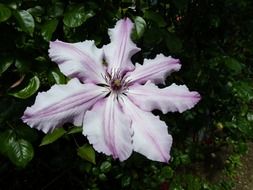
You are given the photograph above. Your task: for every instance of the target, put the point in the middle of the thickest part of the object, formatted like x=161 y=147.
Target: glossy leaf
x=87 y=153
x=139 y=27
x=31 y=88
x=20 y=152
x=76 y=15
x=5 y=63
x=105 y=167
x=25 y=21
x=52 y=137
x=58 y=77
x=56 y=10
x=48 y=29
x=5 y=13
x=75 y=130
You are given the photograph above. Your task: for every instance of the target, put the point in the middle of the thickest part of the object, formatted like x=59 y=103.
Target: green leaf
x=184 y=158
x=5 y=13
x=152 y=36
x=243 y=90
x=125 y=181
x=27 y=133
x=51 y=137
x=167 y=172
x=233 y=65
x=102 y=177
x=8 y=109
x=250 y=117
x=6 y=138
x=20 y=152
x=85 y=167
x=25 y=21
x=155 y=17
x=139 y=27
x=36 y=11
x=32 y=87
x=105 y=167
x=58 y=77
x=86 y=152
x=22 y=65
x=75 y=130
x=56 y=10
x=48 y=29
x=5 y=63
x=76 y=15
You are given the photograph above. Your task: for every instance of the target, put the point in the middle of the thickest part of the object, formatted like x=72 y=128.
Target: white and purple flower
x=112 y=98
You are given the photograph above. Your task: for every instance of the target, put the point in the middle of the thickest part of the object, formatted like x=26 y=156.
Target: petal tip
x=197 y=97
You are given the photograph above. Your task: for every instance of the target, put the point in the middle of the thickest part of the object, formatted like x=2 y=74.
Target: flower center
x=116 y=82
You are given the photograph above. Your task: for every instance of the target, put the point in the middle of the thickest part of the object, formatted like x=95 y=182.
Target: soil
x=245 y=173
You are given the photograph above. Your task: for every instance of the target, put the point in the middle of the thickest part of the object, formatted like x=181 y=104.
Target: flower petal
x=82 y=60
x=108 y=129
x=150 y=137
x=119 y=52
x=155 y=70
x=62 y=103
x=173 y=98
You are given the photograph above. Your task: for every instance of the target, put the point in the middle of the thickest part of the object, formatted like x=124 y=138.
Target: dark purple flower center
x=116 y=82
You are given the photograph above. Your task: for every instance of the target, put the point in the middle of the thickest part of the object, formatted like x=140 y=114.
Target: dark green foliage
x=212 y=38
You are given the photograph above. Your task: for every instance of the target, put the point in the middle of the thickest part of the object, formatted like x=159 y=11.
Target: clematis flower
x=112 y=98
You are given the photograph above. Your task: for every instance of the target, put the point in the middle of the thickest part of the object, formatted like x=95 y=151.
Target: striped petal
x=61 y=104
x=119 y=52
x=150 y=137
x=155 y=70
x=82 y=60
x=173 y=98
x=108 y=129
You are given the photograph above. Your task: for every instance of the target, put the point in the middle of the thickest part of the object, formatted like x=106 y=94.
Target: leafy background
x=212 y=38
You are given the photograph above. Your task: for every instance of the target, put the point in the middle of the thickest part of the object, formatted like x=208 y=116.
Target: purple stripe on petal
x=109 y=129
x=62 y=103
x=173 y=98
x=155 y=70
x=82 y=60
x=119 y=52
x=72 y=102
x=150 y=137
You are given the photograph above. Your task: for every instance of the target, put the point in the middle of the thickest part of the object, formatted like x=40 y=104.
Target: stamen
x=104 y=62
x=115 y=82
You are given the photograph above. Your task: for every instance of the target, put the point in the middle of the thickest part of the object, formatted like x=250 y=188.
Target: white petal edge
x=82 y=60
x=61 y=104
x=150 y=137
x=170 y=99
x=155 y=70
x=118 y=53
